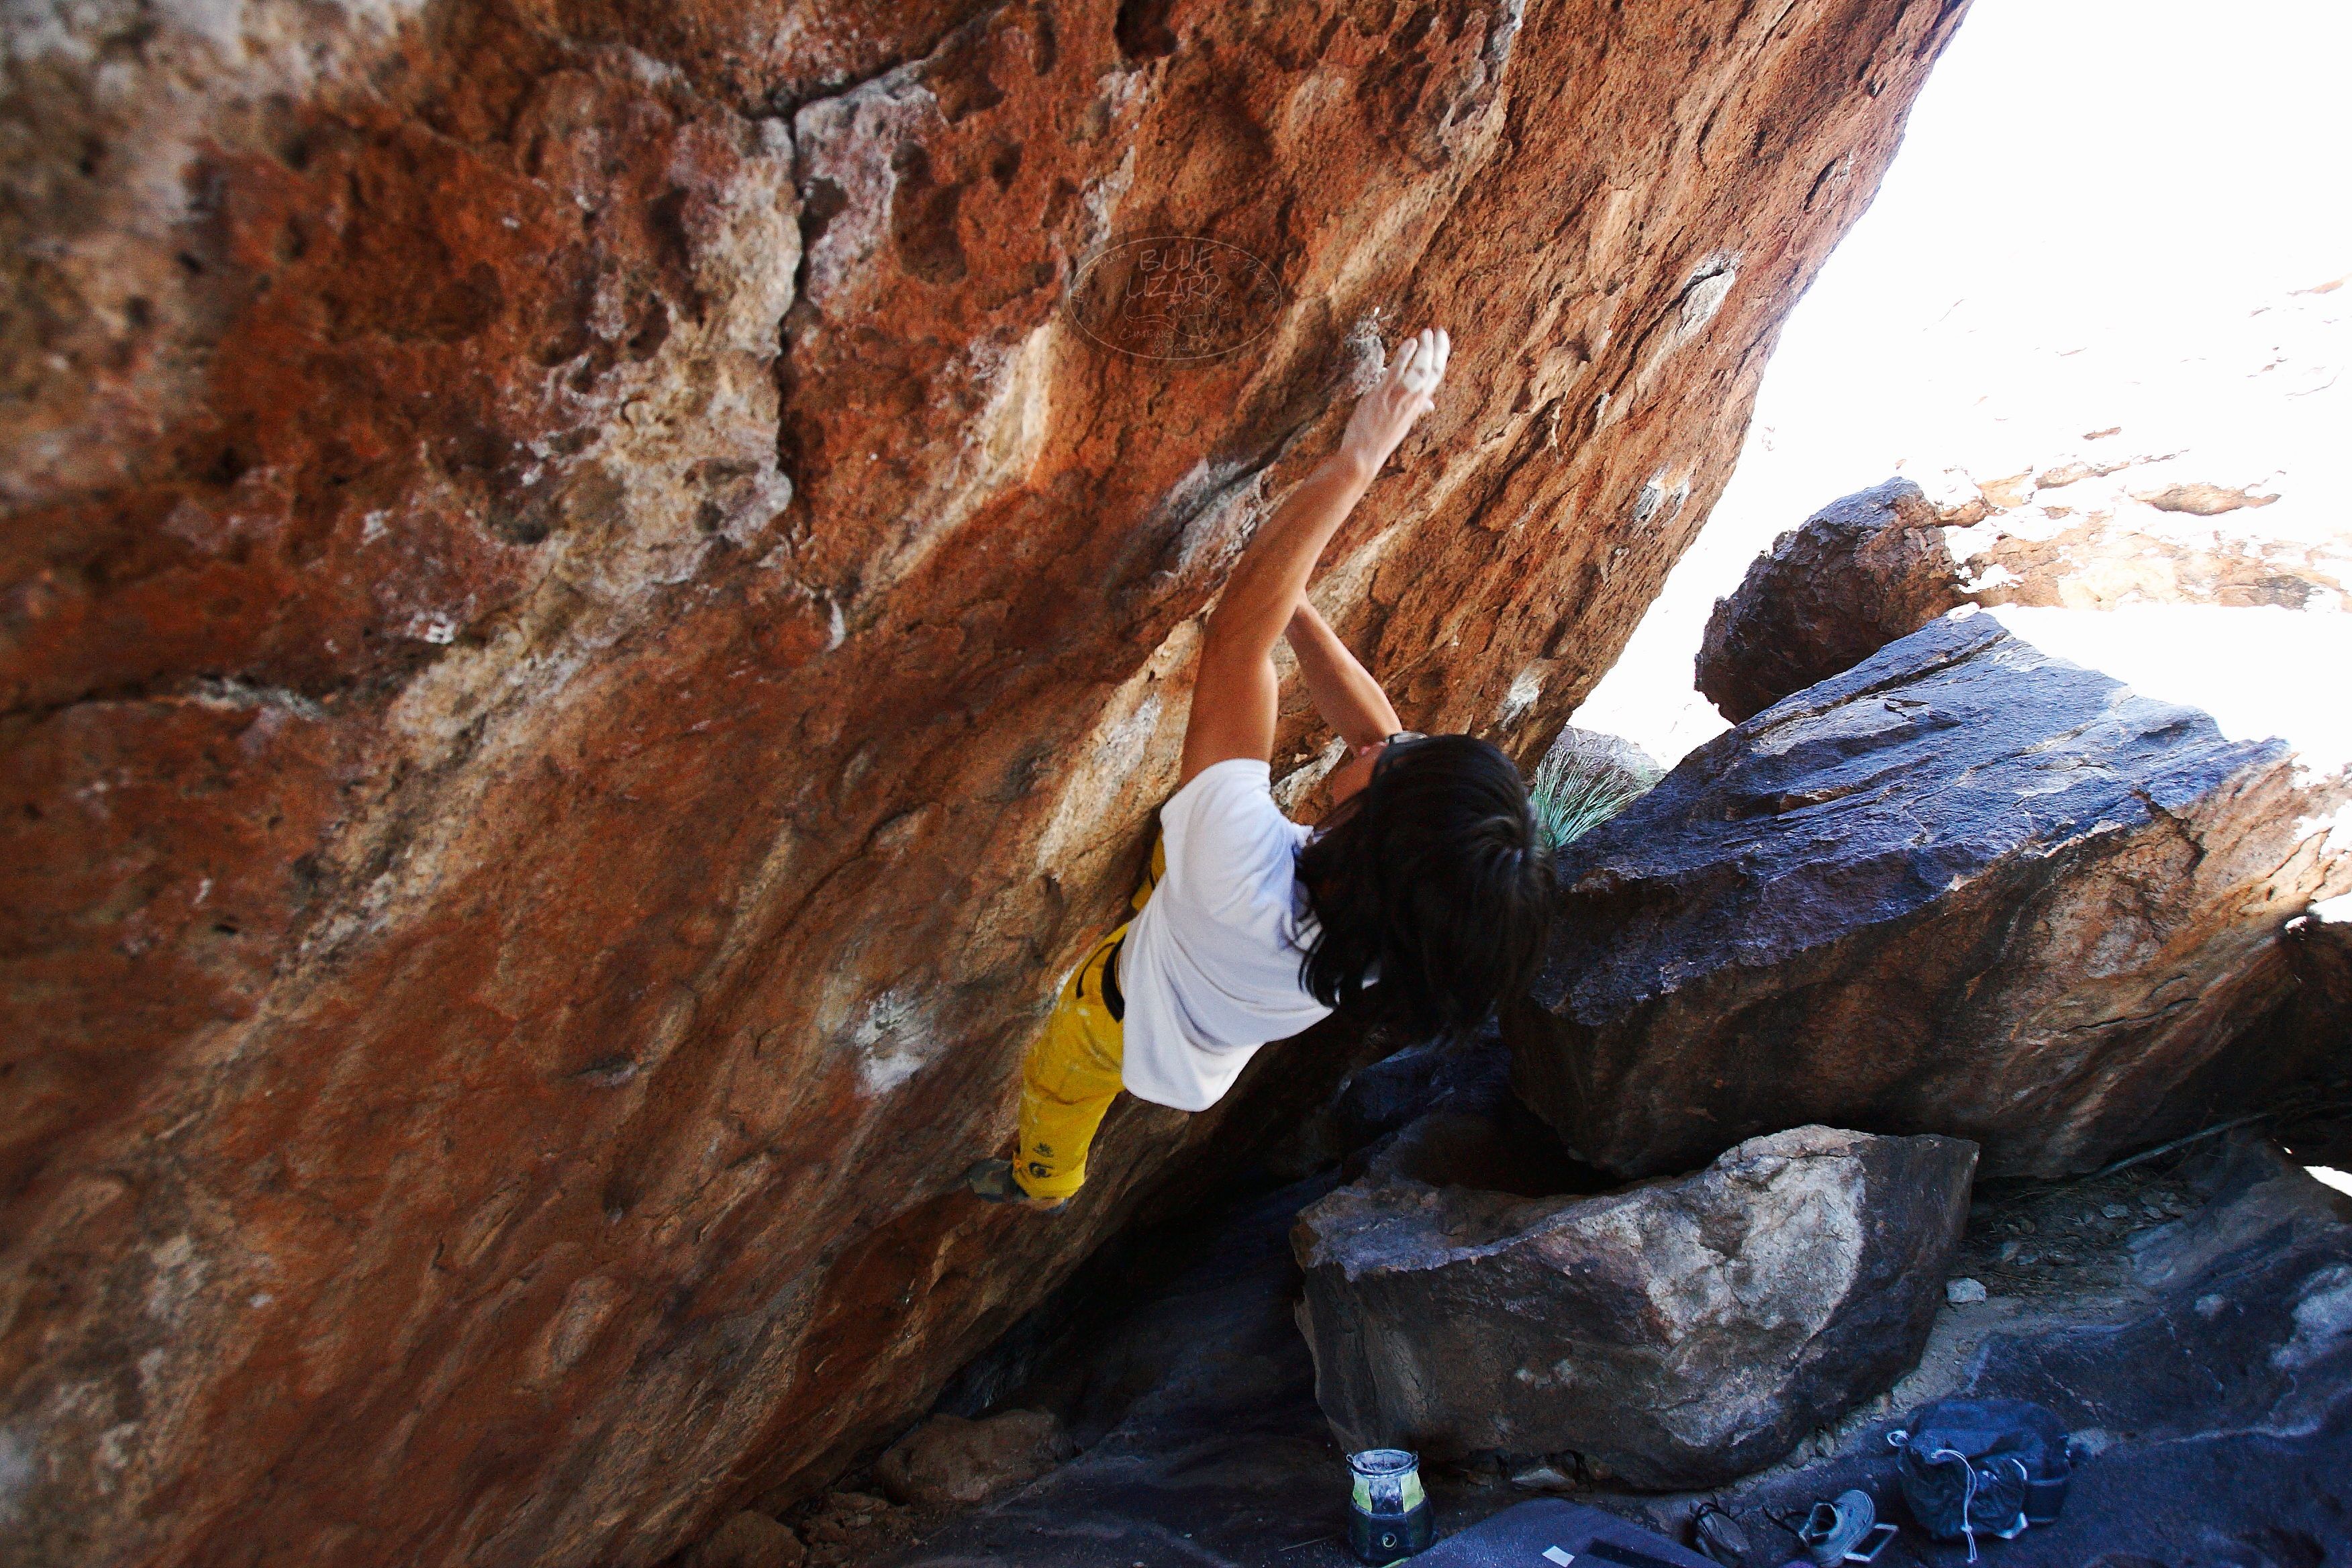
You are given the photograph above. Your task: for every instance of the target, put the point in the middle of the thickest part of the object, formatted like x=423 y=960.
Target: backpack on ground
x=1990 y=1465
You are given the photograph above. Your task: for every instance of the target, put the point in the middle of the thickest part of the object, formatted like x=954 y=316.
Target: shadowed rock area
x=1676 y=1334
x=584 y=636
x=2180 y=1317
x=1963 y=888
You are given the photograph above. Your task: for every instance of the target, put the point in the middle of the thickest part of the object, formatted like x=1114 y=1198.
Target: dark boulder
x=1864 y=571
x=1671 y=1335
x=2188 y=1342
x=1964 y=888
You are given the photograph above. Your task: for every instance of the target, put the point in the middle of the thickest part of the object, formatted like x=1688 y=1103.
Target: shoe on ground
x=1833 y=1529
x=1719 y=1535
x=992 y=1180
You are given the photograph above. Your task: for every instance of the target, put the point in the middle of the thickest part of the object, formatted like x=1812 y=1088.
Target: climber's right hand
x=1404 y=392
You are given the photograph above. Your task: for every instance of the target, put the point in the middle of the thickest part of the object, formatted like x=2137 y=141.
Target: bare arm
x=1343 y=690
x=1233 y=695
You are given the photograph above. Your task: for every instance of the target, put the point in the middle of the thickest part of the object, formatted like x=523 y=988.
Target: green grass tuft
x=1583 y=781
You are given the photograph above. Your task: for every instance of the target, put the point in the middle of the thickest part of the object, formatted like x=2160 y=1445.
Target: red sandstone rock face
x=583 y=639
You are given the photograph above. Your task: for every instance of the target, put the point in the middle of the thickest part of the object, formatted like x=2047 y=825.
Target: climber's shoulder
x=1226 y=838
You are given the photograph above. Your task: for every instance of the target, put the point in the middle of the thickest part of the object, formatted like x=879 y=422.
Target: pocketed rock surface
x=584 y=636
x=1963 y=888
x=1675 y=1334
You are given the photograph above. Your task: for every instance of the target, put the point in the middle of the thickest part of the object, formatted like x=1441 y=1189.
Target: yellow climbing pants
x=1071 y=1074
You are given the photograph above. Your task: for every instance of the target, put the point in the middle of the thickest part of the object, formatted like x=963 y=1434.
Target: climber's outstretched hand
x=1234 y=693
x=1405 y=392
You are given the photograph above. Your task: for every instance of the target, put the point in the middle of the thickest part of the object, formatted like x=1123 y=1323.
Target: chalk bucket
x=1387 y=1518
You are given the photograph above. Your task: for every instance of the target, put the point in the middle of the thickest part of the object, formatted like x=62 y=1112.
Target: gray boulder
x=1673 y=1334
x=1963 y=888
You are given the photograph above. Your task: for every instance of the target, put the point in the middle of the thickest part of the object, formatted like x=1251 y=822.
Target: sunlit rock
x=2127 y=534
x=1963 y=888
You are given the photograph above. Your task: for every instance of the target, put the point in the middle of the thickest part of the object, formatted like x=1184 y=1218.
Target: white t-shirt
x=1209 y=968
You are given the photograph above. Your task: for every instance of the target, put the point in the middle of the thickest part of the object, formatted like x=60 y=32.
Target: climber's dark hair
x=1434 y=871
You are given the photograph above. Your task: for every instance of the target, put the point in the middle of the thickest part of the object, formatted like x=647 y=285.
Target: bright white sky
x=2098 y=217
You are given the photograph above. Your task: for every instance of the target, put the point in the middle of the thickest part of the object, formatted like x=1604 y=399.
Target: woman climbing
x=1426 y=874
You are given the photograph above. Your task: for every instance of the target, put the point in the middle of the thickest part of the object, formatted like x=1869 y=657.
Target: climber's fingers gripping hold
x=1405 y=392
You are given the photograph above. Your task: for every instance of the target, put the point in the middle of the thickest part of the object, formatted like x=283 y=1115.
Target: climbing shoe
x=992 y=1180
x=1717 y=1533
x=1835 y=1529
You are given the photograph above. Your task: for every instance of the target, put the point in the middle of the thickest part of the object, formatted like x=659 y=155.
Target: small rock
x=2115 y=1211
x=2212 y=1307
x=2012 y=491
x=1964 y=1292
x=950 y=1462
x=2202 y=499
x=749 y=1540
x=1543 y=1478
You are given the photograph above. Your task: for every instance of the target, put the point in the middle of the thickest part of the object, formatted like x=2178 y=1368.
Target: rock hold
x=1674 y=1334
x=1963 y=888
